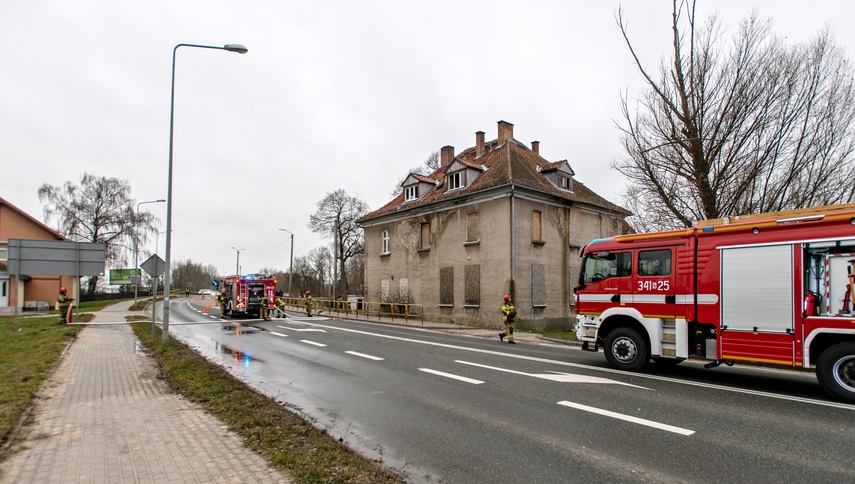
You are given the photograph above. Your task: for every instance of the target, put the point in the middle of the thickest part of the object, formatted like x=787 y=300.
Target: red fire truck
x=772 y=289
x=244 y=293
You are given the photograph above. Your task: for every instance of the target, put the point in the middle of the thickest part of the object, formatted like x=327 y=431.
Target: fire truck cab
x=774 y=289
x=244 y=293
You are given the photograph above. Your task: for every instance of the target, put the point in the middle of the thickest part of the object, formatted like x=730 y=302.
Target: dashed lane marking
x=363 y=355
x=312 y=343
x=453 y=377
x=628 y=418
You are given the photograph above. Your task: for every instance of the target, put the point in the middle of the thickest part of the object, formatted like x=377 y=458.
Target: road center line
x=279 y=334
x=363 y=355
x=628 y=418
x=449 y=375
x=554 y=376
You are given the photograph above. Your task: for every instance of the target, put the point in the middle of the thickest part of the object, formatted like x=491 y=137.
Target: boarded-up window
x=424 y=236
x=384 y=290
x=472 y=288
x=538 y=285
x=446 y=286
x=404 y=289
x=536 y=230
x=472 y=227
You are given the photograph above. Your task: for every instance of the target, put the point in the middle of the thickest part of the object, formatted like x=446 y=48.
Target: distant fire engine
x=244 y=293
x=773 y=289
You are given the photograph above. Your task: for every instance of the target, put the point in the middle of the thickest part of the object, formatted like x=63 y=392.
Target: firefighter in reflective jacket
x=63 y=303
x=223 y=301
x=309 y=303
x=264 y=310
x=508 y=315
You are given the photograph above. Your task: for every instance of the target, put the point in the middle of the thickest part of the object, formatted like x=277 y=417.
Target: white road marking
x=310 y=330
x=279 y=334
x=628 y=418
x=363 y=355
x=312 y=343
x=811 y=401
x=555 y=376
x=449 y=375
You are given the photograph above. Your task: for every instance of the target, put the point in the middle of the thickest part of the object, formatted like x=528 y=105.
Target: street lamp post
x=291 y=264
x=137 y=241
x=237 y=262
x=154 y=285
x=166 y=273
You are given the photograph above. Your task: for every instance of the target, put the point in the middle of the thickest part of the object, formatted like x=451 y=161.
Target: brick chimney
x=506 y=131
x=535 y=146
x=479 y=143
x=446 y=154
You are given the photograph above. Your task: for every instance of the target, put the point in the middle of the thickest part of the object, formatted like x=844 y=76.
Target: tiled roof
x=505 y=163
x=422 y=178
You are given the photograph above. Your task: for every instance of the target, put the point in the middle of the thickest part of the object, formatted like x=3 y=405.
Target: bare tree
x=98 y=210
x=736 y=126
x=430 y=165
x=336 y=218
x=319 y=262
x=193 y=275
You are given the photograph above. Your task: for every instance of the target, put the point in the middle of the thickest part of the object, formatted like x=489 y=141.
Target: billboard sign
x=56 y=258
x=123 y=277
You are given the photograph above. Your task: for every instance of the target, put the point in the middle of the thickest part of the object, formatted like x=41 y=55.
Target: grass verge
x=29 y=352
x=282 y=437
x=557 y=334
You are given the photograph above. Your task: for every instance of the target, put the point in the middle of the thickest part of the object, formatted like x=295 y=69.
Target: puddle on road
x=240 y=357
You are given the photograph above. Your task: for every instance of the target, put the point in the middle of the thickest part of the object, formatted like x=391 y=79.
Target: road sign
x=154 y=266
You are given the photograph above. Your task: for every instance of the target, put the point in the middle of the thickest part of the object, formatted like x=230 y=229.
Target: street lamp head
x=236 y=48
x=160 y=200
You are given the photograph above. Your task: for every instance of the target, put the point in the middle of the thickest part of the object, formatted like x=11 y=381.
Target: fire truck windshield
x=603 y=265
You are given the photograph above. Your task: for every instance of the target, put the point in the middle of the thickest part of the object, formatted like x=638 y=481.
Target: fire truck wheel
x=626 y=350
x=835 y=371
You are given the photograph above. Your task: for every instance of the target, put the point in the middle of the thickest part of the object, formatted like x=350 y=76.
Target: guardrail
x=369 y=309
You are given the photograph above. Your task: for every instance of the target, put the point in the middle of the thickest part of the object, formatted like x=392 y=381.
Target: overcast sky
x=332 y=95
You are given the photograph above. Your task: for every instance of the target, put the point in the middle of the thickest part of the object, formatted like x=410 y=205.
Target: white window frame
x=411 y=193
x=384 y=242
x=457 y=180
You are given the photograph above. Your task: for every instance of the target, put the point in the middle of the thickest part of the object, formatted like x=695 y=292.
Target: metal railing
x=367 y=309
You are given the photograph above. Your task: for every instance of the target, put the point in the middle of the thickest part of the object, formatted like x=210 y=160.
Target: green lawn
x=29 y=351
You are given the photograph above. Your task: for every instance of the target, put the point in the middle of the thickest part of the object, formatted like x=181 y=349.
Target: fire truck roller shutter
x=757 y=288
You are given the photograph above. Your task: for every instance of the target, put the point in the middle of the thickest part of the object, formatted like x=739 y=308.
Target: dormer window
x=563 y=182
x=456 y=180
x=411 y=193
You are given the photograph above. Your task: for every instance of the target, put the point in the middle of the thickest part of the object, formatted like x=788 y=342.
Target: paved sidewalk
x=104 y=417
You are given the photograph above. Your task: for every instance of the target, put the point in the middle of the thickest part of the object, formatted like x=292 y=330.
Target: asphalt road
x=454 y=408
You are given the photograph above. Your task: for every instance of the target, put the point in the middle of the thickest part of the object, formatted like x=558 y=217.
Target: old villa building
x=495 y=218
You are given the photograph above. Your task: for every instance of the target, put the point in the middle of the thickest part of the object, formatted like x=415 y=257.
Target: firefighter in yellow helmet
x=309 y=303
x=508 y=316
x=63 y=302
x=264 y=308
x=223 y=300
